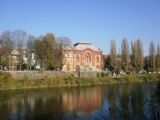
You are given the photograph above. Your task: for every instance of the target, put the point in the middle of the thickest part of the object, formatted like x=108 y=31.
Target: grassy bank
x=9 y=82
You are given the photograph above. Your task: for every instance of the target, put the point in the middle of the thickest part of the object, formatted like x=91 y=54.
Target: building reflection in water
x=83 y=100
x=49 y=104
x=115 y=102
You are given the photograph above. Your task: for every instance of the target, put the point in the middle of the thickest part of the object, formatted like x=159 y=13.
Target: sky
x=96 y=21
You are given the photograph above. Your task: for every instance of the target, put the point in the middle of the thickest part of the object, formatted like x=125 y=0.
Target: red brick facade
x=83 y=56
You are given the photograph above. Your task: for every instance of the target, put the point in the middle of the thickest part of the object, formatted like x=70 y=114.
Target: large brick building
x=82 y=56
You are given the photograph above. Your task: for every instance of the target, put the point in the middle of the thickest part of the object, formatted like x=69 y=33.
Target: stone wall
x=86 y=74
x=36 y=75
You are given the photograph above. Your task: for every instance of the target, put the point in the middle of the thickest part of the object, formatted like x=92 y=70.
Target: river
x=136 y=101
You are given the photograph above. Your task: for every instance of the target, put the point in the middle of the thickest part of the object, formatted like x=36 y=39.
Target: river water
x=136 y=101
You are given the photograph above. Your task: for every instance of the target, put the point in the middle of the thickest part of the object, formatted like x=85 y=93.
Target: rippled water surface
x=138 y=101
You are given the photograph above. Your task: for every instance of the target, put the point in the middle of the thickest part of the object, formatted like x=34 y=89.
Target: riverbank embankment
x=47 y=79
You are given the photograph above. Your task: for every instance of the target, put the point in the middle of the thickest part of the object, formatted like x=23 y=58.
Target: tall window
x=88 y=57
x=77 y=58
x=97 y=59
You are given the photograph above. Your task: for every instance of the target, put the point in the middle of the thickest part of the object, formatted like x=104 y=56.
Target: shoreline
x=8 y=81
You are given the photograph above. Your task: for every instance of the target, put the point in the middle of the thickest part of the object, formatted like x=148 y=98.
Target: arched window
x=68 y=67
x=77 y=68
x=97 y=59
x=77 y=58
x=88 y=57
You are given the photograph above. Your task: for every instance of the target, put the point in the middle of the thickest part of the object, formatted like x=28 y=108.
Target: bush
x=150 y=70
x=98 y=74
x=102 y=74
x=158 y=76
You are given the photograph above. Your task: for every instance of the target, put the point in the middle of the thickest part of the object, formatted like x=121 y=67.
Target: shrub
x=98 y=74
x=102 y=74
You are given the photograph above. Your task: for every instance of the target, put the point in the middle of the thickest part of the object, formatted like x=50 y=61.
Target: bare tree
x=152 y=55
x=30 y=51
x=158 y=57
x=133 y=54
x=6 y=48
x=19 y=37
x=137 y=58
x=139 y=52
x=62 y=42
x=113 y=55
x=125 y=54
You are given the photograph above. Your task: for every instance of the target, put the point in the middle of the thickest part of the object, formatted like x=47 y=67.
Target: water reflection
x=82 y=100
x=121 y=102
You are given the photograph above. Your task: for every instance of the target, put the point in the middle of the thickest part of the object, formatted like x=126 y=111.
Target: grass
x=9 y=82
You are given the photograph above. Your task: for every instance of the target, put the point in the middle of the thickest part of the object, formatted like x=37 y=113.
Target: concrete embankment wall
x=37 y=75
x=86 y=74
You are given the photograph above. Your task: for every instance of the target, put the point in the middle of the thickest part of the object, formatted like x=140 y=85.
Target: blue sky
x=96 y=21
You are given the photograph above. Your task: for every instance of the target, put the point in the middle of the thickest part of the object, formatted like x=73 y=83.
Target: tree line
x=131 y=57
x=46 y=49
x=47 y=52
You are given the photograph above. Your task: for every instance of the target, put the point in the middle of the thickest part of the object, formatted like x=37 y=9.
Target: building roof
x=85 y=45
